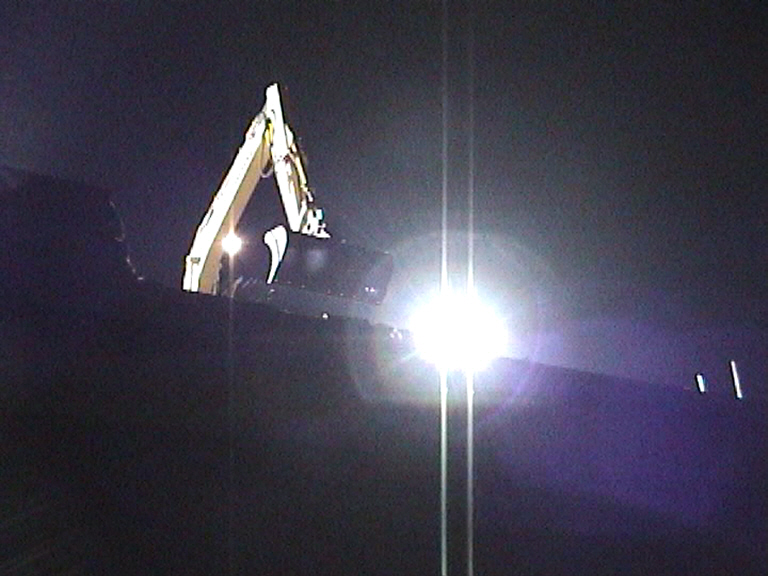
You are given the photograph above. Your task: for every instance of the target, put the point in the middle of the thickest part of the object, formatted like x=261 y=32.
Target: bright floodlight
x=457 y=332
x=231 y=244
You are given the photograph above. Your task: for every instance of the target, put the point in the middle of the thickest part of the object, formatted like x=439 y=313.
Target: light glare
x=231 y=244
x=458 y=332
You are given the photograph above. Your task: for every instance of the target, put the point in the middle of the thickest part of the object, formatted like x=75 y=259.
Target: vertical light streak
x=444 y=214
x=443 y=471
x=736 y=380
x=469 y=375
x=470 y=378
x=231 y=423
x=471 y=159
x=443 y=290
x=701 y=384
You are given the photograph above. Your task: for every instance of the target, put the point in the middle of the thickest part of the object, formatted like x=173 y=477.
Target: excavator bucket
x=334 y=268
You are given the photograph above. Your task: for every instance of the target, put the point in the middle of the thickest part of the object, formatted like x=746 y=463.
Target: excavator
x=301 y=251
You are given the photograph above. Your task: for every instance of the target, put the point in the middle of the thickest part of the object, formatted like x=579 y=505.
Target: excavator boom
x=301 y=254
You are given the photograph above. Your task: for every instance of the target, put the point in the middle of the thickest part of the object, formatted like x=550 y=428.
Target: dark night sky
x=616 y=142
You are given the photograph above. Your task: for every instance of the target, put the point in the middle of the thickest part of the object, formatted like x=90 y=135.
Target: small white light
x=736 y=380
x=232 y=243
x=456 y=332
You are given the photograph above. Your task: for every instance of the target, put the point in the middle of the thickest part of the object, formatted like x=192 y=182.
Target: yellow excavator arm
x=269 y=144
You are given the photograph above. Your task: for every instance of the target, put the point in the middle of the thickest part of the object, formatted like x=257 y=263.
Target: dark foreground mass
x=148 y=431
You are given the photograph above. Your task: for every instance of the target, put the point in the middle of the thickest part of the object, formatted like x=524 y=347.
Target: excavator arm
x=269 y=144
x=302 y=254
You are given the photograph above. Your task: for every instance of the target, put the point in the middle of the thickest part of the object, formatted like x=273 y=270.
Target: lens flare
x=458 y=332
x=231 y=244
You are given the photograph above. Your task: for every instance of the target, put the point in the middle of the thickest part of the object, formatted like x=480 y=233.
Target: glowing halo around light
x=458 y=332
x=232 y=243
